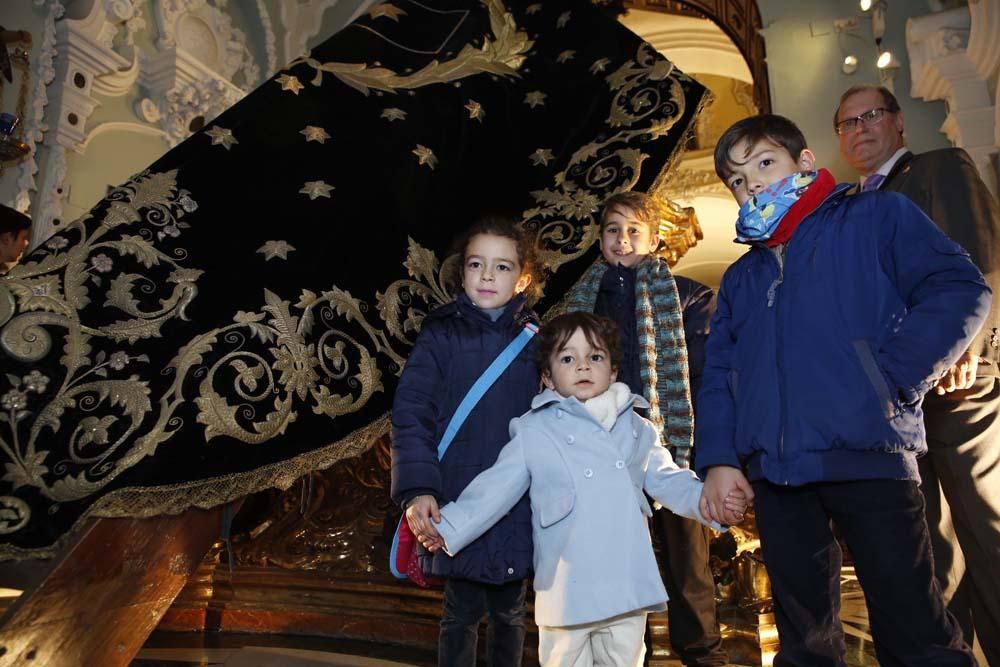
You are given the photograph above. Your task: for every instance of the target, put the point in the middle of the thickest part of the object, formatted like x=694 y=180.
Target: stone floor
x=239 y=650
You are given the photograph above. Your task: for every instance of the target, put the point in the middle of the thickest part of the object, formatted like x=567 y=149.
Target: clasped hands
x=421 y=515
x=725 y=499
x=726 y=496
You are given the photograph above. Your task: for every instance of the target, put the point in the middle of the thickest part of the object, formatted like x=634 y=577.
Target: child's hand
x=719 y=483
x=736 y=506
x=432 y=543
x=421 y=511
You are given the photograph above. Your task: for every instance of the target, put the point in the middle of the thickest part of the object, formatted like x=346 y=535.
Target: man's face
x=12 y=245
x=754 y=167
x=625 y=239
x=870 y=144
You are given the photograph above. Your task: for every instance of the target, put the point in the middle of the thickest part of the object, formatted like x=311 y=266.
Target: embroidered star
x=563 y=19
x=388 y=10
x=565 y=56
x=316 y=189
x=313 y=133
x=476 y=110
x=425 y=155
x=533 y=9
x=393 y=113
x=288 y=82
x=535 y=98
x=599 y=65
x=221 y=136
x=541 y=156
x=272 y=249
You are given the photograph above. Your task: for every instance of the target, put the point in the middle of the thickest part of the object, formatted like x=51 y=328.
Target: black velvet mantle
x=238 y=314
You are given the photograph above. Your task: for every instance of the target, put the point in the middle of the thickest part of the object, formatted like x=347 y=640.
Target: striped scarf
x=662 y=350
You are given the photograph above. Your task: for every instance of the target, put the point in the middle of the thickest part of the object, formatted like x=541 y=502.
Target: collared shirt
x=886 y=166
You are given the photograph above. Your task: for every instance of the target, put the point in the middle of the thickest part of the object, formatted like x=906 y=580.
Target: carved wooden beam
x=107 y=591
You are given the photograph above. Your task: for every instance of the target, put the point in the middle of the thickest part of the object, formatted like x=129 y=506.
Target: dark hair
x=776 y=129
x=12 y=221
x=645 y=207
x=505 y=227
x=889 y=100
x=601 y=333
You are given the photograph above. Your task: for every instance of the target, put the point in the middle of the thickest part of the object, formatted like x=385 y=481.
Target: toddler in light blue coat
x=585 y=458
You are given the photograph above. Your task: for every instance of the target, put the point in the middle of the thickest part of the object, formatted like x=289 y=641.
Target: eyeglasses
x=867 y=118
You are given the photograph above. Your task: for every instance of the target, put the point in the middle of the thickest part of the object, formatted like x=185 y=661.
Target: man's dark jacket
x=946 y=186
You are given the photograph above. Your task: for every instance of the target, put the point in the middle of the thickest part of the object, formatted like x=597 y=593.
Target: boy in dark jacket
x=660 y=316
x=827 y=335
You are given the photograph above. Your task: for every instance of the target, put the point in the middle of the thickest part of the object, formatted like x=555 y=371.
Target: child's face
x=625 y=239
x=12 y=245
x=758 y=166
x=579 y=369
x=491 y=275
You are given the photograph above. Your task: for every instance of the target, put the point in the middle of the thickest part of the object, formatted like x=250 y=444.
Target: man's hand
x=962 y=375
x=420 y=513
x=721 y=497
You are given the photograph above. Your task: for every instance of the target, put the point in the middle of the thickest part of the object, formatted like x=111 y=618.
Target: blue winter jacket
x=456 y=343
x=820 y=353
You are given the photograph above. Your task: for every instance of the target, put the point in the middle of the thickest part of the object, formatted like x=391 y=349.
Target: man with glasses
x=962 y=414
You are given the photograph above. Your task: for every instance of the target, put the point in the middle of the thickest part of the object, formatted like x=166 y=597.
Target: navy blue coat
x=816 y=367
x=456 y=343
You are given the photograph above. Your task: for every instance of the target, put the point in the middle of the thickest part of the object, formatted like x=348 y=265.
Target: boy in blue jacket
x=827 y=334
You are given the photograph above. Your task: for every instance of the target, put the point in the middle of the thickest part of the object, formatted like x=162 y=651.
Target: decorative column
x=954 y=56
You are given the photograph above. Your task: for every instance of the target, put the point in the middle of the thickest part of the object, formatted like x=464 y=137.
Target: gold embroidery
x=503 y=56
x=563 y=218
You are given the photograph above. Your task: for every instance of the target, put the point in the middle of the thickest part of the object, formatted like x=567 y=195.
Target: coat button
x=588 y=473
x=635 y=433
x=510 y=570
x=619 y=464
x=570 y=439
x=558 y=414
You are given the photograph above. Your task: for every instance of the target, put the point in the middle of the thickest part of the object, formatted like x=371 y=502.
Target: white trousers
x=614 y=642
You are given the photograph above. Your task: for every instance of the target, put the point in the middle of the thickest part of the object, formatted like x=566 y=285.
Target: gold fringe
x=141 y=503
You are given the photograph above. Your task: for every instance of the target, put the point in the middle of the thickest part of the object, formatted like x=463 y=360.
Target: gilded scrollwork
x=122 y=275
x=640 y=112
x=502 y=55
x=405 y=302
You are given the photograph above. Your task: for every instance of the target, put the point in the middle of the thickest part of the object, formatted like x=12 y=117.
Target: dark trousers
x=465 y=603
x=882 y=522
x=963 y=466
x=694 y=628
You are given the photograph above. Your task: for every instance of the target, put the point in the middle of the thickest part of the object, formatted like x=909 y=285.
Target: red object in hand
x=408 y=560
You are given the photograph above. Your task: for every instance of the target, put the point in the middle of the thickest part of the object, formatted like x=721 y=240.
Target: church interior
x=241 y=212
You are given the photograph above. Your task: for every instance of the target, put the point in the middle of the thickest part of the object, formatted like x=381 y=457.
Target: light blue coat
x=593 y=556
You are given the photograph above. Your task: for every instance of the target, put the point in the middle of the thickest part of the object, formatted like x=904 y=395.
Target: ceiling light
x=887 y=61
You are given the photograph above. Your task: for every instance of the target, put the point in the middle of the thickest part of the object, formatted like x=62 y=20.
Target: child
x=15 y=228
x=585 y=458
x=663 y=321
x=828 y=333
x=456 y=344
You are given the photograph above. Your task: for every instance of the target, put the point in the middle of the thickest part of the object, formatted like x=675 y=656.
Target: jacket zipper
x=772 y=296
